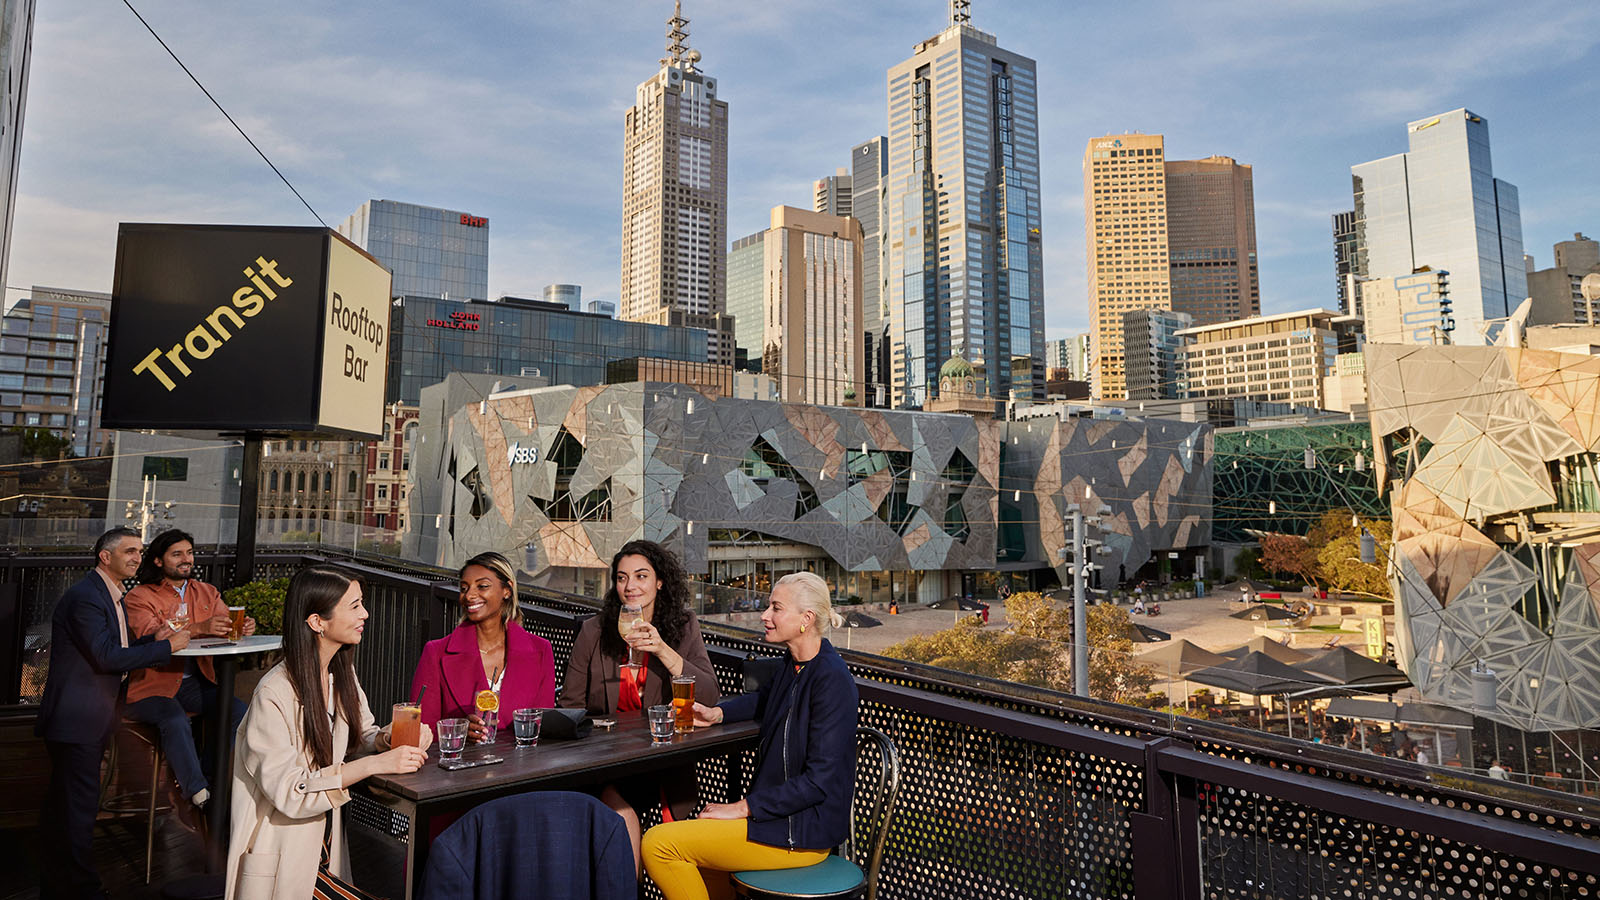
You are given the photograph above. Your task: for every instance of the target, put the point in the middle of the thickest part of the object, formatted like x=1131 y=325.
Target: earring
x=802 y=629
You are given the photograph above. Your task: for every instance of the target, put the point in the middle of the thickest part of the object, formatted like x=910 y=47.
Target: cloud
x=514 y=111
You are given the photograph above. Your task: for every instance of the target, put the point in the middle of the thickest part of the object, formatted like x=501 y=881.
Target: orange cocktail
x=406 y=730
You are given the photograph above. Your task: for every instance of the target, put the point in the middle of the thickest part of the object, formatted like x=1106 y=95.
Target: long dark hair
x=317 y=589
x=150 y=567
x=671 y=616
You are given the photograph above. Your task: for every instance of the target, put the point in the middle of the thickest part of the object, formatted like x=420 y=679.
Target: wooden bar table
x=409 y=803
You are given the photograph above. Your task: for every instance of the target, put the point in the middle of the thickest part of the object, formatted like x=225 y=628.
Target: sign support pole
x=244 y=560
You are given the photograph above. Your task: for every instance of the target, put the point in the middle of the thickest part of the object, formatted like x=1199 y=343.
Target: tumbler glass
x=525 y=724
x=662 y=723
x=452 y=738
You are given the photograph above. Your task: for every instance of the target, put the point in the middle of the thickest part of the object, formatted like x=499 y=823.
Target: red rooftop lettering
x=463 y=321
x=474 y=221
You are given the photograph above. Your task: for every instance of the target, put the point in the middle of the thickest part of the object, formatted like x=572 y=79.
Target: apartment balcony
x=1007 y=791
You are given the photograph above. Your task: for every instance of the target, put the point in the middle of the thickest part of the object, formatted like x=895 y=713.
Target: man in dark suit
x=90 y=654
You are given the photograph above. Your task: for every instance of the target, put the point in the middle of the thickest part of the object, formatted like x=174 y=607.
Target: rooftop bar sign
x=224 y=328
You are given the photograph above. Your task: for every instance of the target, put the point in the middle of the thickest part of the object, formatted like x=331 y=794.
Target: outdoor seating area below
x=1007 y=789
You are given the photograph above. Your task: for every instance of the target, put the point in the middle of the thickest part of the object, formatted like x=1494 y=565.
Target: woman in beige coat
x=297 y=753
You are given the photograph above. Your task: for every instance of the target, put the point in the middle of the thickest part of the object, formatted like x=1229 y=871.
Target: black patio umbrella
x=1277 y=650
x=1180 y=658
x=1255 y=673
x=1144 y=634
x=1262 y=612
x=1351 y=673
x=860 y=620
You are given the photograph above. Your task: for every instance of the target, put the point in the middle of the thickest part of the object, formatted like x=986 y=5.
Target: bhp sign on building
x=221 y=328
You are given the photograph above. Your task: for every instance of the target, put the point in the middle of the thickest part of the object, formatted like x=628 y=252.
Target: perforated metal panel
x=986 y=815
x=1254 y=846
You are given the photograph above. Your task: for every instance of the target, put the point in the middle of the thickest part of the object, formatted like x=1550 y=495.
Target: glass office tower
x=1439 y=205
x=432 y=252
x=965 y=268
x=431 y=337
x=869 y=169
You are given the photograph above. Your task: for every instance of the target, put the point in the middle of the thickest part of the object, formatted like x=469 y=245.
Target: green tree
x=1339 y=556
x=39 y=443
x=1037 y=649
x=1115 y=674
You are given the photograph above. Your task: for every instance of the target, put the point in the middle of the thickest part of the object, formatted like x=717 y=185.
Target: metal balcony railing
x=1012 y=791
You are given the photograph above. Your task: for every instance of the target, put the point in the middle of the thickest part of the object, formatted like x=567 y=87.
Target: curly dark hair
x=671 y=616
x=150 y=566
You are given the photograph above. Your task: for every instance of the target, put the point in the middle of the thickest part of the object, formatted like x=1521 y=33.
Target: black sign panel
x=215 y=328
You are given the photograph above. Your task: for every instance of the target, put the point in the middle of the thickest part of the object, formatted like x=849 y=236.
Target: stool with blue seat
x=852 y=871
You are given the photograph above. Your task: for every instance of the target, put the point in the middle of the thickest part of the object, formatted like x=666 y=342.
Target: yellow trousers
x=690 y=860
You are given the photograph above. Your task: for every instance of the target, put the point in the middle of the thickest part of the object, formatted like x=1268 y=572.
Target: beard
x=182 y=573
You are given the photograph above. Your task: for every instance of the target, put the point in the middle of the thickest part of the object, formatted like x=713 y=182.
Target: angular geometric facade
x=564 y=476
x=1496 y=505
x=1262 y=483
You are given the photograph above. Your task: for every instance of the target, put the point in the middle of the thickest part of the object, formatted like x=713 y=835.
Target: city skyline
x=471 y=127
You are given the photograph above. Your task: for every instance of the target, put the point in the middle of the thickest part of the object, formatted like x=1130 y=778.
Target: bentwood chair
x=852 y=871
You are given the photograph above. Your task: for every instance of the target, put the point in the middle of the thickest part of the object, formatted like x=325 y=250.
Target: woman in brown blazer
x=647 y=579
x=307 y=737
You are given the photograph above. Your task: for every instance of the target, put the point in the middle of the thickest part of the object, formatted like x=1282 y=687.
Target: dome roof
x=956 y=367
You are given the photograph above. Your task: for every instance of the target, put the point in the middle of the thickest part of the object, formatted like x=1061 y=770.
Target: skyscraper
x=16 y=49
x=1344 y=262
x=746 y=293
x=675 y=198
x=1211 y=239
x=1125 y=213
x=811 y=298
x=433 y=252
x=52 y=365
x=869 y=166
x=1154 y=353
x=965 y=269
x=1166 y=234
x=832 y=193
x=1439 y=205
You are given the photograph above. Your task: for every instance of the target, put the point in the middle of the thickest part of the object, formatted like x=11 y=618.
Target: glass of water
x=525 y=723
x=452 y=738
x=663 y=720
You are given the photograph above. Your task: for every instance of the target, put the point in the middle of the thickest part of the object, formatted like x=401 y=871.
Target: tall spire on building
x=960 y=12
x=677 y=34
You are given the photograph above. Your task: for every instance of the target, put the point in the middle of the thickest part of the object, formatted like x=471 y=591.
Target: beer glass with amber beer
x=683 y=703
x=236 y=622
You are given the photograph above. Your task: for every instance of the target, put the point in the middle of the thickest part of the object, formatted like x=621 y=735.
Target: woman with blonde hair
x=488 y=651
x=307 y=737
x=799 y=801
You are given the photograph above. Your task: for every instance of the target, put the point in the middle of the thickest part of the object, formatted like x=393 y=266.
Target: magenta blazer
x=453 y=672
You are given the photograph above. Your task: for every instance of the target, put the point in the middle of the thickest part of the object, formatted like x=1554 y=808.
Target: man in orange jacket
x=165 y=696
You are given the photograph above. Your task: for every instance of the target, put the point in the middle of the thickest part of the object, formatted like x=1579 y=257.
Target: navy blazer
x=87 y=660
x=806 y=766
x=548 y=844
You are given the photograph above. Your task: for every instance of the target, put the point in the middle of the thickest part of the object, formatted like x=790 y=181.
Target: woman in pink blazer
x=489 y=650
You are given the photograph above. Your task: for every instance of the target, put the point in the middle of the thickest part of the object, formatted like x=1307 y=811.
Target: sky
x=514 y=110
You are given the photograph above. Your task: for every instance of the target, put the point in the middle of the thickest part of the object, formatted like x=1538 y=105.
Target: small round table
x=224 y=656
